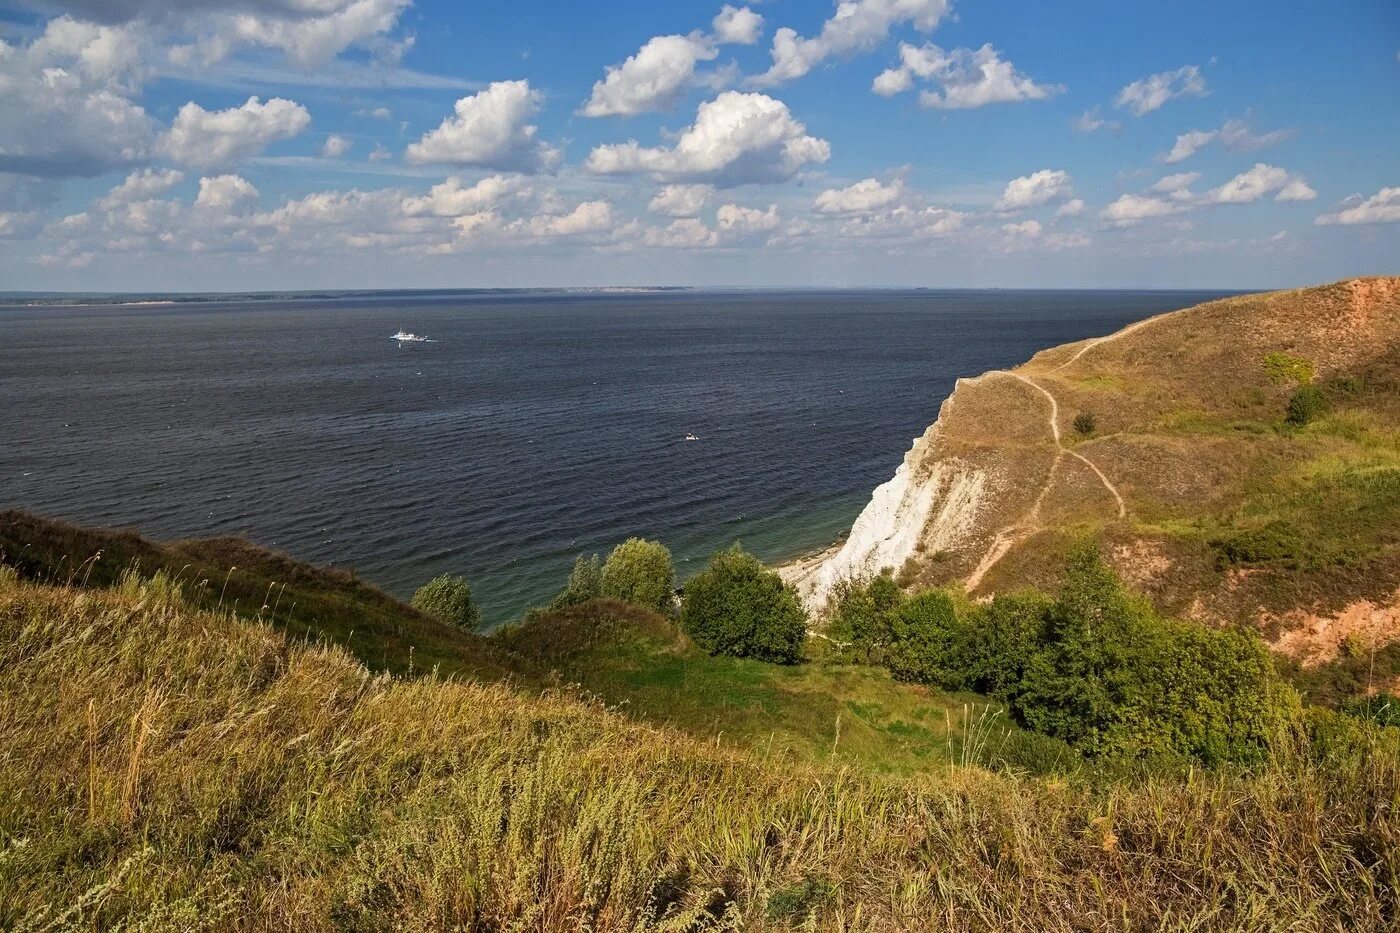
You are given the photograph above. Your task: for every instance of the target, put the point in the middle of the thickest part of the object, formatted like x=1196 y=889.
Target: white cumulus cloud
x=226 y=193
x=861 y=197
x=737 y=25
x=490 y=129
x=1234 y=135
x=734 y=218
x=213 y=138
x=1150 y=93
x=736 y=138
x=681 y=200
x=1258 y=182
x=335 y=146
x=856 y=25
x=1383 y=207
x=653 y=79
x=968 y=78
x=1035 y=189
x=140 y=186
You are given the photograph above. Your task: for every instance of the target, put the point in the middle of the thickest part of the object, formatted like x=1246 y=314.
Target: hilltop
x=1170 y=443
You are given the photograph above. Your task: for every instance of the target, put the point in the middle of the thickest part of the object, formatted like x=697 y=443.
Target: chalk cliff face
x=1167 y=444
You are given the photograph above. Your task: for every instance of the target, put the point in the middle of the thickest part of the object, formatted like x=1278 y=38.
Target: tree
x=641 y=572
x=928 y=642
x=448 y=599
x=861 y=612
x=1003 y=637
x=738 y=607
x=585 y=583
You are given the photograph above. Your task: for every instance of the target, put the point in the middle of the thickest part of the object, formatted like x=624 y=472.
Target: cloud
x=226 y=194
x=1035 y=189
x=681 y=200
x=732 y=218
x=686 y=233
x=66 y=106
x=15 y=225
x=375 y=113
x=490 y=129
x=335 y=146
x=861 y=197
x=736 y=139
x=1172 y=194
x=140 y=186
x=968 y=78
x=653 y=79
x=737 y=25
x=1090 y=122
x=1259 y=181
x=1234 y=135
x=1150 y=93
x=1383 y=207
x=214 y=138
x=451 y=198
x=856 y=25
x=1132 y=209
x=1071 y=208
x=332 y=27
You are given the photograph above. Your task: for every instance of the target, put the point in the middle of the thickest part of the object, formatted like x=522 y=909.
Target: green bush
x=448 y=599
x=738 y=607
x=1382 y=709
x=860 y=614
x=1282 y=367
x=929 y=642
x=1085 y=423
x=585 y=583
x=640 y=572
x=1003 y=637
x=1305 y=404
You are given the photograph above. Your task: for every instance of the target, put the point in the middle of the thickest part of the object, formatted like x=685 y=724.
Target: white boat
x=691 y=437
x=404 y=336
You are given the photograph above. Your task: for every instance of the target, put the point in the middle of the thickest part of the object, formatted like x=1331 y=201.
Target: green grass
x=164 y=767
x=643 y=665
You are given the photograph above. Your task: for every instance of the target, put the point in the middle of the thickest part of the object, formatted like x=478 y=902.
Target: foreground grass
x=165 y=767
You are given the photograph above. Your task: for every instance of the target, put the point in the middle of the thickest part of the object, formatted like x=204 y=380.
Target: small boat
x=691 y=437
x=404 y=336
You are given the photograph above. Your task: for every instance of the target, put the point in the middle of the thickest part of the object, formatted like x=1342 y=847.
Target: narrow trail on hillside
x=1097 y=341
x=1030 y=523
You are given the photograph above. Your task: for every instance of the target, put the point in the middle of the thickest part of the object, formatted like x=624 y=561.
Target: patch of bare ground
x=1314 y=638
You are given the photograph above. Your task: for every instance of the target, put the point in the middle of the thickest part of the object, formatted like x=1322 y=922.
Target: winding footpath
x=1030 y=523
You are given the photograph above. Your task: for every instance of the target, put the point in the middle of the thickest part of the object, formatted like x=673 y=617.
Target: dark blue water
x=536 y=427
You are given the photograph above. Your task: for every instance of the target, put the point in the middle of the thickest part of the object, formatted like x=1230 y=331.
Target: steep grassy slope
x=627 y=657
x=232 y=573
x=168 y=768
x=1201 y=492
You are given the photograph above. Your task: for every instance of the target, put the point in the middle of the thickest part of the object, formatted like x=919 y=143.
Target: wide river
x=533 y=427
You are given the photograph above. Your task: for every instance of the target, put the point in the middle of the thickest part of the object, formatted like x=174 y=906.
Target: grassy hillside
x=231 y=573
x=1171 y=443
x=164 y=766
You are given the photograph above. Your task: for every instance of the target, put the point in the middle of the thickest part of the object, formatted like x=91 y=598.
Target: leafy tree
x=737 y=606
x=1003 y=637
x=1305 y=404
x=929 y=642
x=585 y=583
x=448 y=599
x=640 y=572
x=861 y=612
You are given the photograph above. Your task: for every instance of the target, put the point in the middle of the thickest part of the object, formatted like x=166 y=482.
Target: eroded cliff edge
x=1189 y=474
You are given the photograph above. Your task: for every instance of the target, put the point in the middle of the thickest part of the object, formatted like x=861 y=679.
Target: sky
x=313 y=144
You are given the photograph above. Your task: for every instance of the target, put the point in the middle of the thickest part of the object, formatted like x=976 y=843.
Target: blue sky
x=243 y=144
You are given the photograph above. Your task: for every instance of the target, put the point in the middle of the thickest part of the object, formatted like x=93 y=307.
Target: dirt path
x=1030 y=523
x=1109 y=339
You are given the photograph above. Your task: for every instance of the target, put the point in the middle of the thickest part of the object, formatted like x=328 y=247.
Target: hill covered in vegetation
x=1238 y=462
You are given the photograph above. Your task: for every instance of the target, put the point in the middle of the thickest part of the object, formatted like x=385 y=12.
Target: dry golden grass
x=164 y=767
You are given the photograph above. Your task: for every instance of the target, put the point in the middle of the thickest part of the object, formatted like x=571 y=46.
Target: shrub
x=1085 y=423
x=738 y=607
x=585 y=583
x=1114 y=679
x=1282 y=367
x=640 y=572
x=1003 y=637
x=861 y=614
x=1305 y=404
x=448 y=599
x=929 y=642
